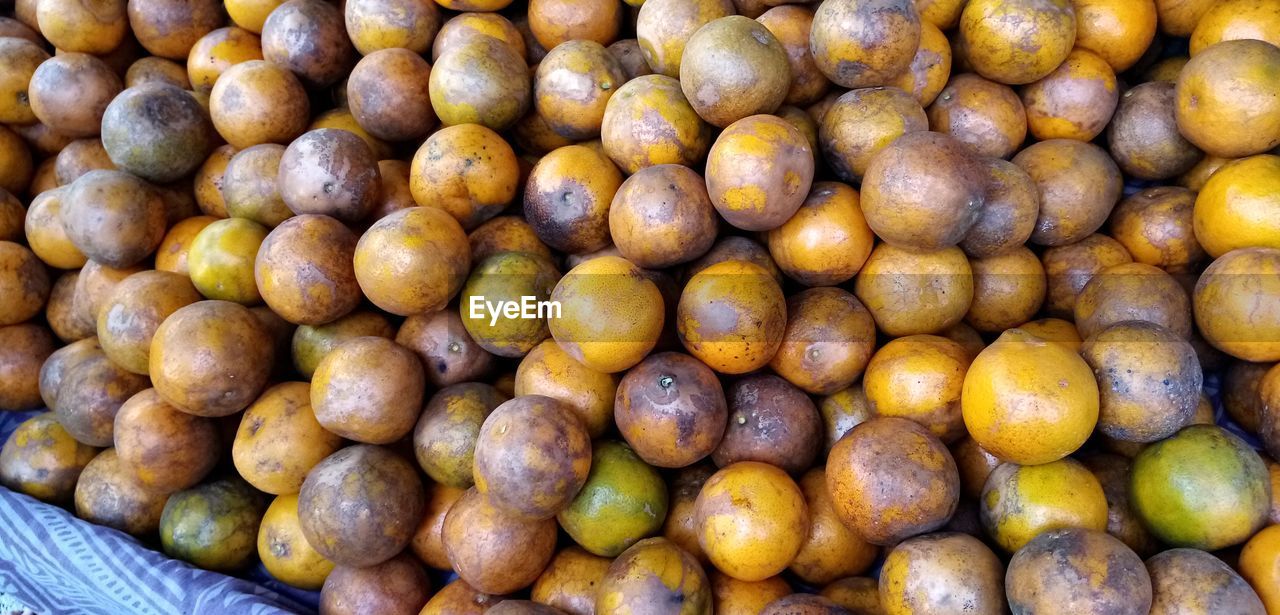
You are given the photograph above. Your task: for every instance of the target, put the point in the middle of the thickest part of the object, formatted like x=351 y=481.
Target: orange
x=752 y=520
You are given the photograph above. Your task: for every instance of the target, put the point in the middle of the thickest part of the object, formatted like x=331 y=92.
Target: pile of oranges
x=659 y=306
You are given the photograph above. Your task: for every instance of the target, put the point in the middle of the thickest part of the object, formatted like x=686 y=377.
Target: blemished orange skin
x=279 y=439
x=152 y=69
x=1008 y=290
x=1055 y=330
x=1260 y=565
x=361 y=505
x=759 y=172
x=733 y=597
x=340 y=117
x=304 y=270
x=257 y=102
x=1029 y=401
x=217 y=51
x=398 y=585
x=1133 y=361
x=1117 y=30
x=791 y=25
x=1225 y=104
x=45 y=176
x=1068 y=268
x=1166 y=69
x=422 y=243
x=467 y=27
x=1079 y=184
x=828 y=340
x=832 y=550
x=1242 y=393
x=164 y=448
x=458 y=598
x=285 y=551
x=611 y=314
x=550 y=371
x=1156 y=227
x=428 y=540
x=1144 y=137
x=861 y=123
x=1196 y=177
x=168 y=29
x=114 y=218
x=210 y=358
x=444 y=438
x=671 y=409
x=753 y=520
x=44 y=234
x=944 y=14
x=966 y=336
x=1011 y=204
x=556 y=21
x=681 y=527
x=106 y=494
x=919 y=377
x=899 y=452
x=51 y=372
x=567 y=197
x=77 y=158
x=90 y=394
x=664 y=26
x=930 y=69
x=483 y=81
x=1019 y=503
x=390 y=24
x=42 y=460
x=572 y=86
x=494 y=552
x=802 y=121
x=1133 y=291
x=18 y=61
x=923 y=191
x=467 y=170
x=176 y=245
x=18 y=168
x=395 y=193
x=308 y=38
x=732 y=316
x=1113 y=472
x=1229 y=309
x=859 y=594
x=944 y=572
x=83 y=26
x=910 y=293
x=1238 y=206
x=387 y=95
x=986 y=115
x=1078 y=571
x=1235 y=20
x=864 y=44
x=250 y=186
x=534 y=136
x=368 y=389
x=1195 y=582
x=655 y=571
x=532 y=457
x=1075 y=101
x=132 y=312
x=975 y=465
x=661 y=216
x=1017 y=41
x=571 y=581
x=208 y=182
x=17 y=26
x=648 y=121
x=827 y=241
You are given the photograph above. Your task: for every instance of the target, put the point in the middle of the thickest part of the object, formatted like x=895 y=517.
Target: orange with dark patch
x=1079 y=184
x=217 y=51
x=652 y=572
x=532 y=456
x=890 y=479
x=492 y=551
x=464 y=28
x=484 y=81
x=309 y=38
x=210 y=358
x=444 y=439
x=571 y=581
x=864 y=44
x=732 y=68
x=1144 y=138
x=573 y=84
x=398 y=585
x=19 y=59
x=828 y=340
x=89 y=397
x=25 y=349
x=945 y=571
x=648 y=121
x=1113 y=473
x=79 y=157
x=930 y=68
x=132 y=312
x=374 y=25
x=752 y=520
x=332 y=172
x=387 y=93
x=732 y=315
x=458 y=598
x=42 y=460
x=832 y=550
x=95 y=26
x=770 y=421
x=915 y=292
x=791 y=25
x=862 y=122
x=1133 y=291
x=567 y=198
x=759 y=172
x=922 y=192
x=1075 y=101
x=1017 y=41
x=1057 y=563
x=1068 y=268
x=258 y=102
x=1008 y=290
x=549 y=370
x=70 y=92
x=671 y=409
x=1156 y=227
x=360 y=506
x=165 y=449
x=661 y=216
x=304 y=270
x=250 y=186
x=423 y=240
x=279 y=440
x=311 y=344
x=987 y=116
x=106 y=494
x=1011 y=205
x=466 y=170
x=449 y=354
x=556 y=21
x=368 y=389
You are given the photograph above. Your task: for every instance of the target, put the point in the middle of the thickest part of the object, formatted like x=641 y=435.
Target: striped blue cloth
x=53 y=563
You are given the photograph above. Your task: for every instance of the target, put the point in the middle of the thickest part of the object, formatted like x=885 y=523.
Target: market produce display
x=648 y=307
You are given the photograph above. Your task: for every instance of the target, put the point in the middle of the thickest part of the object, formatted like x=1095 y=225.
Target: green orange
x=623 y=501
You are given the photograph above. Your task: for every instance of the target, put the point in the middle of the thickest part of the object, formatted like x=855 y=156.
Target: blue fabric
x=52 y=562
